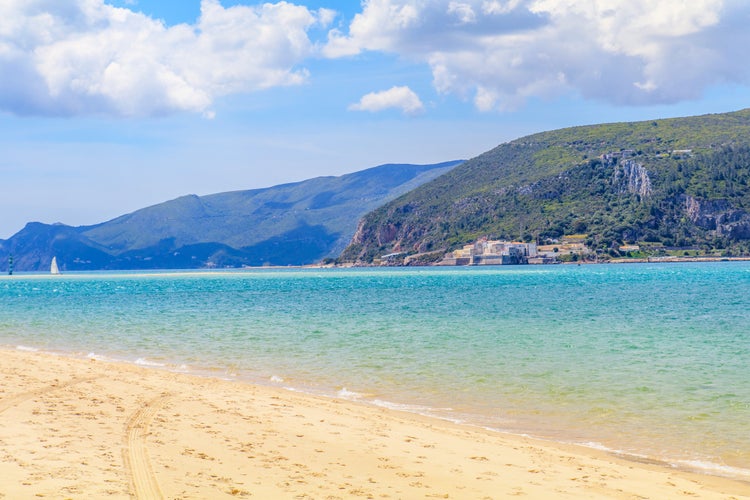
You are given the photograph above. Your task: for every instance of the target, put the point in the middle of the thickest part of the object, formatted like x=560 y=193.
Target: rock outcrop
x=719 y=216
x=632 y=178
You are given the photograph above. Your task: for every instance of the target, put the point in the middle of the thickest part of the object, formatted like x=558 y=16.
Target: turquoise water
x=651 y=360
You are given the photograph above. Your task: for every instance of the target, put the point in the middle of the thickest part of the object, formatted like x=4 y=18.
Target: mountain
x=291 y=224
x=677 y=183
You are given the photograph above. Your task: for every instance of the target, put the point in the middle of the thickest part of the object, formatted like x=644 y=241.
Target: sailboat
x=53 y=269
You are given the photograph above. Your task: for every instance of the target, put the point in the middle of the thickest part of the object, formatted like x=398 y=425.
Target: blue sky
x=107 y=107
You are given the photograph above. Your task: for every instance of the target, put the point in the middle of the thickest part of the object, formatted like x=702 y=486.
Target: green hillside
x=672 y=183
x=291 y=224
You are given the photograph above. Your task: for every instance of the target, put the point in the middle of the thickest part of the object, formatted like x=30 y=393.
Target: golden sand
x=87 y=429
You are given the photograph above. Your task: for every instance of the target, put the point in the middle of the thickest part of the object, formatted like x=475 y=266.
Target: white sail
x=53 y=269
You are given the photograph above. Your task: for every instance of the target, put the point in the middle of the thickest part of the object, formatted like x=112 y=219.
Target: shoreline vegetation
x=85 y=428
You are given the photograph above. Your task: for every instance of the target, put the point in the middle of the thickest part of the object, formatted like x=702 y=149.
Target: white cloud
x=68 y=57
x=501 y=52
x=326 y=17
x=498 y=7
x=463 y=11
x=378 y=27
x=402 y=98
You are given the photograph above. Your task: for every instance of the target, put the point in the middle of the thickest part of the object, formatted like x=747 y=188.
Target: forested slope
x=679 y=182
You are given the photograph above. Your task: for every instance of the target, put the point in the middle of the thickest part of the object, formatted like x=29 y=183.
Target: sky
x=108 y=106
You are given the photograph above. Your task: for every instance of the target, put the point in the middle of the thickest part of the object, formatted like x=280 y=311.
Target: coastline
x=84 y=428
x=206 y=271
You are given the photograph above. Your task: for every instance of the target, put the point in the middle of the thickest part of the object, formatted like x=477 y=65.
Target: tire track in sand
x=143 y=483
x=25 y=396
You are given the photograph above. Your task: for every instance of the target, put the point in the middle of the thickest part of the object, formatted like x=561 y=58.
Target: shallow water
x=651 y=360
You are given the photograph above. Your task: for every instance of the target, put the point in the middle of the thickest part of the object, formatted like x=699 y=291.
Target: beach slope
x=75 y=428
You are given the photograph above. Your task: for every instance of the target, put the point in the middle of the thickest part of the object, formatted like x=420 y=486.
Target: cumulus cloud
x=501 y=52
x=68 y=57
x=402 y=98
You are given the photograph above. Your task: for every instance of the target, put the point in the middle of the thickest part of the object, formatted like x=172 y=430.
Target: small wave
x=426 y=411
x=598 y=446
x=714 y=468
x=627 y=455
x=344 y=393
x=145 y=362
x=406 y=407
x=276 y=379
x=699 y=466
x=26 y=348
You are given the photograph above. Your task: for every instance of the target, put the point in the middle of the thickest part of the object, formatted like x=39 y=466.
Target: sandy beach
x=76 y=428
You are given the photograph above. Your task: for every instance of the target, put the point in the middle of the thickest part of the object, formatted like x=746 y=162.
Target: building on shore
x=558 y=250
x=491 y=252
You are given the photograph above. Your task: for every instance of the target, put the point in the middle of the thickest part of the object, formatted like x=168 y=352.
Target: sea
x=648 y=361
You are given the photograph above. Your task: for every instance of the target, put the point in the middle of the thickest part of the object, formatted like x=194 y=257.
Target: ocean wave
x=99 y=357
x=699 y=466
x=714 y=468
x=145 y=362
x=422 y=410
x=344 y=393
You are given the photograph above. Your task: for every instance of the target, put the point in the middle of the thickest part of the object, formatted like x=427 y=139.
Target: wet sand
x=75 y=428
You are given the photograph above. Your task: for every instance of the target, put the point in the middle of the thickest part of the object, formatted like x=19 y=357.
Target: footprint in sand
x=25 y=396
